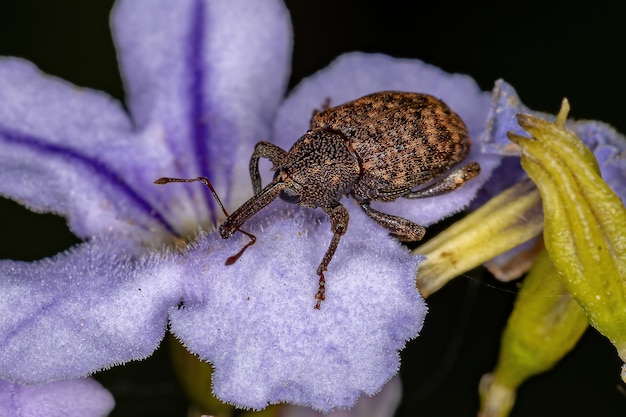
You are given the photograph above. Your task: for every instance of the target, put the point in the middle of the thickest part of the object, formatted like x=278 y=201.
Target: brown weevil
x=376 y=148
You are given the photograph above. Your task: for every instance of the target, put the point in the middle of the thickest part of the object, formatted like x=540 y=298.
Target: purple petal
x=76 y=398
x=502 y=118
x=51 y=133
x=209 y=75
x=255 y=320
x=609 y=148
x=82 y=311
x=356 y=74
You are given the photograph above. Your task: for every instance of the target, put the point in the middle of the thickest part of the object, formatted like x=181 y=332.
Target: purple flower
x=205 y=81
x=605 y=142
x=77 y=398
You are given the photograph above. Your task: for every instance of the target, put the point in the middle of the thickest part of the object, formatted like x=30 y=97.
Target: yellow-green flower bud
x=545 y=324
x=585 y=222
x=504 y=222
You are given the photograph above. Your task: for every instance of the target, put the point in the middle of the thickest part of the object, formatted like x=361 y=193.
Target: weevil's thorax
x=323 y=166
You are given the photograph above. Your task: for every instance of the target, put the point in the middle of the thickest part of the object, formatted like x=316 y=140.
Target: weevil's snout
x=250 y=208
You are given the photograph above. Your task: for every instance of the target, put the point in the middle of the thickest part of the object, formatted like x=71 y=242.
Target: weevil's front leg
x=454 y=180
x=339 y=218
x=264 y=150
x=403 y=229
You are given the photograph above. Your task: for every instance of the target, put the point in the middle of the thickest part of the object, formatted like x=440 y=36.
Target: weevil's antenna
x=231 y=259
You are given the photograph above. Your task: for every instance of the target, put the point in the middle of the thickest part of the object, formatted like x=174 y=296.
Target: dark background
x=546 y=50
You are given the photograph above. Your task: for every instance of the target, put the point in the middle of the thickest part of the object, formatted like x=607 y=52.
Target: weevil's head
x=316 y=172
x=318 y=169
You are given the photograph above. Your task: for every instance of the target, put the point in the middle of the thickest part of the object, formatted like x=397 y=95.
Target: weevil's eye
x=289 y=195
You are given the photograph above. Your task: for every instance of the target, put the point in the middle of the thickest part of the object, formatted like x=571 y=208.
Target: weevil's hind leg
x=456 y=179
x=403 y=229
x=264 y=150
x=339 y=218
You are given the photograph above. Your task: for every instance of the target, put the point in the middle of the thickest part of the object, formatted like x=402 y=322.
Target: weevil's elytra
x=377 y=148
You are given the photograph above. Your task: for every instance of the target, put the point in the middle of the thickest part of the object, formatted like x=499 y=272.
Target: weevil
x=379 y=147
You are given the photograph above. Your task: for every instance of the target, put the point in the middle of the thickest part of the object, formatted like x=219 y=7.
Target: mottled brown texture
x=379 y=147
x=402 y=140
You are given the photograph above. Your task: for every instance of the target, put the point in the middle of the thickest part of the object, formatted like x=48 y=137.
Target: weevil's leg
x=325 y=105
x=403 y=229
x=231 y=259
x=264 y=150
x=339 y=218
x=456 y=179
